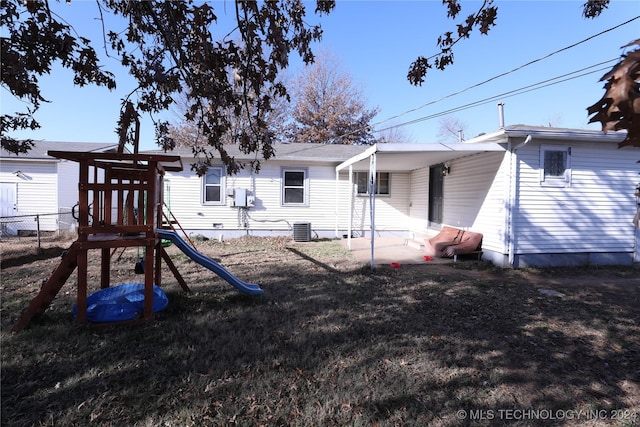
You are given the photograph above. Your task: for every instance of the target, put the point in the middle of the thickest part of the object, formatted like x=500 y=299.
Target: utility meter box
x=240 y=197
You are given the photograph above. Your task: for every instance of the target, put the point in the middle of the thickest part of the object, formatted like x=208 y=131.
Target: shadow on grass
x=332 y=347
x=313 y=260
x=23 y=259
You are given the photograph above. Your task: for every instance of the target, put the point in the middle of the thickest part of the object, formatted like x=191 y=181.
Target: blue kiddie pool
x=121 y=302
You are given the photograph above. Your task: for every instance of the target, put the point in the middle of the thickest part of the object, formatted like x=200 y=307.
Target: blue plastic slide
x=205 y=261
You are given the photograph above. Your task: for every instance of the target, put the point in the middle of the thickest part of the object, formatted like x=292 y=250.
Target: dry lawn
x=330 y=344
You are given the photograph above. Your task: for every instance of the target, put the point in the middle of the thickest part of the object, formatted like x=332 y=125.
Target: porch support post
x=337 y=201
x=350 y=227
x=372 y=205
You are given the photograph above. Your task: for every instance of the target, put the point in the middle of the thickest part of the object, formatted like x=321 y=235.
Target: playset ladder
x=172 y=221
x=50 y=288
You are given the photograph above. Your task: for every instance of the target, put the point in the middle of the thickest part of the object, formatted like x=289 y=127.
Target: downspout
x=514 y=184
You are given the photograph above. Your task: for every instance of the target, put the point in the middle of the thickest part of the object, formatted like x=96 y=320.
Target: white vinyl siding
x=593 y=215
x=36 y=192
x=475 y=197
x=392 y=211
x=268 y=214
x=419 y=203
x=68 y=172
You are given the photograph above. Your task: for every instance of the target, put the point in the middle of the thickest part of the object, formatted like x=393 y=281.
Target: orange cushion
x=452 y=241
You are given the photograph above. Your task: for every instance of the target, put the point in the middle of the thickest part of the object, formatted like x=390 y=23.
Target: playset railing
x=123 y=197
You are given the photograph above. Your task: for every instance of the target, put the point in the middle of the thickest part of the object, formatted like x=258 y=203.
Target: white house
x=296 y=187
x=36 y=183
x=547 y=197
x=300 y=187
x=540 y=196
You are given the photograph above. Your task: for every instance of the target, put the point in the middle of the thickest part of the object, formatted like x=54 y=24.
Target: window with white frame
x=213 y=186
x=383 y=183
x=555 y=166
x=295 y=187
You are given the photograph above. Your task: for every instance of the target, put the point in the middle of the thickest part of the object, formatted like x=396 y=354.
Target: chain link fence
x=31 y=233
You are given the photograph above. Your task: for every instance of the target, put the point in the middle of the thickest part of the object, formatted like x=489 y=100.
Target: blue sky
x=376 y=41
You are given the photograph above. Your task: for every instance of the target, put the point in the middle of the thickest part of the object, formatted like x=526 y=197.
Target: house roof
x=395 y=157
x=41 y=148
x=302 y=152
x=541 y=132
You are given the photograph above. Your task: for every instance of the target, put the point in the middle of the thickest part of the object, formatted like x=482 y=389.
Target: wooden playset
x=120 y=205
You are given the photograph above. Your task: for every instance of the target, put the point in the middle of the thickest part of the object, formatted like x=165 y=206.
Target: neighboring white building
x=550 y=197
x=36 y=183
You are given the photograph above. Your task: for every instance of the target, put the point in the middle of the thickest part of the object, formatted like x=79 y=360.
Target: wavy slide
x=205 y=261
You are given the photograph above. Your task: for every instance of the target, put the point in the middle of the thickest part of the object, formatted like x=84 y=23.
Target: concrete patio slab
x=389 y=250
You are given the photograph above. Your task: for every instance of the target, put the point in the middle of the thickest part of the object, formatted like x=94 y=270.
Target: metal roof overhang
x=392 y=157
x=586 y=135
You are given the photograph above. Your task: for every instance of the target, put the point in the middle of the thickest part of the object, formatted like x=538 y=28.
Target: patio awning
x=406 y=157
x=395 y=157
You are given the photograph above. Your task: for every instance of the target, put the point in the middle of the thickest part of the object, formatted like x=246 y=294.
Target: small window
x=383 y=183
x=294 y=187
x=555 y=166
x=213 y=187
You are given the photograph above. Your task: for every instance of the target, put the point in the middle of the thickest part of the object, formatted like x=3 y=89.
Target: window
x=383 y=183
x=213 y=187
x=555 y=166
x=294 y=187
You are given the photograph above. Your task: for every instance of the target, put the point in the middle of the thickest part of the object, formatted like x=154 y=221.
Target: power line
x=508 y=94
x=529 y=88
x=508 y=72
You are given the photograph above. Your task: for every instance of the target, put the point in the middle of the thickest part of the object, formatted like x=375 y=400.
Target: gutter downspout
x=514 y=185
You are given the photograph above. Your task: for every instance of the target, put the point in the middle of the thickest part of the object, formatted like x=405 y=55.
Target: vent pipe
x=501 y=115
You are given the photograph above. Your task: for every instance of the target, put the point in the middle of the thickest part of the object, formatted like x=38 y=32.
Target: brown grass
x=331 y=344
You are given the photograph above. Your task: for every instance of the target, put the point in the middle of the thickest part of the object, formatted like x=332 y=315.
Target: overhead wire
x=504 y=95
x=528 y=88
x=508 y=72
